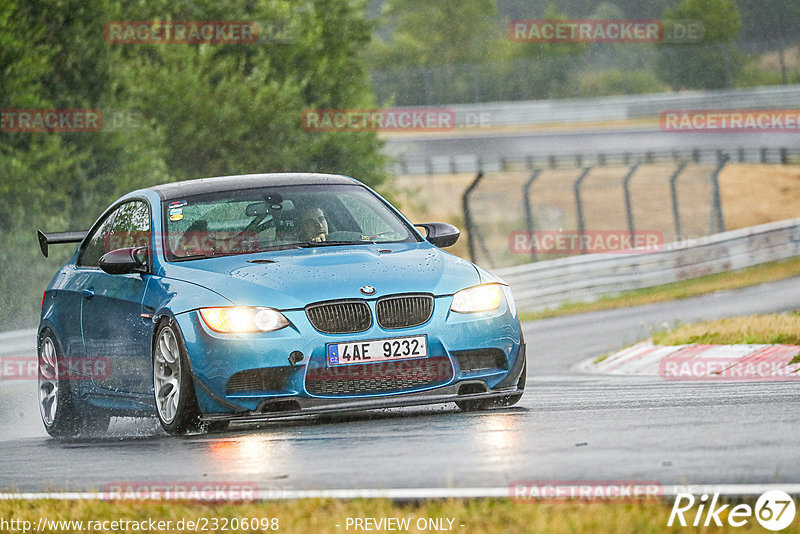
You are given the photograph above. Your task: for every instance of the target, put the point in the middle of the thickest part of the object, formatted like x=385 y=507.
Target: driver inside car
x=313 y=226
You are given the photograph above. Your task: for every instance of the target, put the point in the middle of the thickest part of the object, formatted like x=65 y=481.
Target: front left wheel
x=176 y=402
x=55 y=402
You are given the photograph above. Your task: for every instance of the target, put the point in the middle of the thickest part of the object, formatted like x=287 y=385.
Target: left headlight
x=482 y=298
x=243 y=319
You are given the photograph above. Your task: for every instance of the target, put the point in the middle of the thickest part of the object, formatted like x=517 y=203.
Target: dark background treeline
x=426 y=52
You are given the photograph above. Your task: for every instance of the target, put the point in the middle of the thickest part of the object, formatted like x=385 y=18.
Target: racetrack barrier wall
x=547 y=284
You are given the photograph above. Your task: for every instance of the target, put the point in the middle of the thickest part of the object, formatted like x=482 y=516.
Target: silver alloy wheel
x=48 y=381
x=167 y=375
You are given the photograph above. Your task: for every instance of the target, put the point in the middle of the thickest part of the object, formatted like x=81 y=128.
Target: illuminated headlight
x=241 y=319
x=483 y=298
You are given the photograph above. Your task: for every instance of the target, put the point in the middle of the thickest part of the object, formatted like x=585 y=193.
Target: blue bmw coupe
x=248 y=298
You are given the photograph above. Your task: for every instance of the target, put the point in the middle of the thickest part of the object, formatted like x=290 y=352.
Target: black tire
x=177 y=411
x=56 y=406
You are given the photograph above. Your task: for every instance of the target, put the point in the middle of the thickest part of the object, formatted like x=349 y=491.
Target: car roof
x=246 y=181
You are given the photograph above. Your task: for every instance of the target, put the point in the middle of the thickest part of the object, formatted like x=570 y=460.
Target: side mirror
x=441 y=234
x=124 y=261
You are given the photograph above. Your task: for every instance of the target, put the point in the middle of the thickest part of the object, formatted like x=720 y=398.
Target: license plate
x=377 y=350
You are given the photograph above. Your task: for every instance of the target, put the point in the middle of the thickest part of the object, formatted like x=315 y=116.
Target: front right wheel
x=175 y=397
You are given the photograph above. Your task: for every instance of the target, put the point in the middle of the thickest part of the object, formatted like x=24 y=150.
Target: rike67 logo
x=774 y=510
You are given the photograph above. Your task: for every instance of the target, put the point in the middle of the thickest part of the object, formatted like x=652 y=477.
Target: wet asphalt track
x=569 y=426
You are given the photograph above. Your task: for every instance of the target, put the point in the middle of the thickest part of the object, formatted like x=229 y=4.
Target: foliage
x=711 y=64
x=170 y=112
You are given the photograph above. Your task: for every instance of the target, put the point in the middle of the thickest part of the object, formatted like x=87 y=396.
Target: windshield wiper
x=334 y=243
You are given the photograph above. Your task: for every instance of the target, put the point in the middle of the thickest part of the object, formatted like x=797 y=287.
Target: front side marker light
x=476 y=299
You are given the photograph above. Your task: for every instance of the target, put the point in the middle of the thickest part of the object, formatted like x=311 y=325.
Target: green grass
x=767 y=272
x=777 y=328
x=484 y=516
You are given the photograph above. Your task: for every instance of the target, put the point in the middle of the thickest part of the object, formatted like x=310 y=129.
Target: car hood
x=293 y=278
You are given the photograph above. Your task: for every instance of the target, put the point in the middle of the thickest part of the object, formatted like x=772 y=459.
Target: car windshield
x=273 y=218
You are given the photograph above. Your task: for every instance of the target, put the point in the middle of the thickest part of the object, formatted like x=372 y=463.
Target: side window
x=127 y=226
x=98 y=243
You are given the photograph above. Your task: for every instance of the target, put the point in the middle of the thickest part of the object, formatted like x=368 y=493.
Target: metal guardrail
x=546 y=284
x=622 y=107
x=410 y=164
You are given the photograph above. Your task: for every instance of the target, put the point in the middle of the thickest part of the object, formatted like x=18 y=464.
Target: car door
x=114 y=330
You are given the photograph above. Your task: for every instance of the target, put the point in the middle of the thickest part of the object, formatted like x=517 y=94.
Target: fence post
x=626 y=182
x=526 y=202
x=673 y=191
x=468 y=215
x=719 y=221
x=579 y=206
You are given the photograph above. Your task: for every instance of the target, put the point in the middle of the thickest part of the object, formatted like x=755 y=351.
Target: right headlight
x=483 y=298
x=243 y=319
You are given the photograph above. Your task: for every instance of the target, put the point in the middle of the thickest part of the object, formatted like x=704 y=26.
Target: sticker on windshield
x=177 y=204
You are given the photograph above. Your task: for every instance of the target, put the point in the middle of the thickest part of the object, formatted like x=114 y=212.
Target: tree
x=246 y=101
x=201 y=110
x=712 y=63
x=436 y=50
x=773 y=24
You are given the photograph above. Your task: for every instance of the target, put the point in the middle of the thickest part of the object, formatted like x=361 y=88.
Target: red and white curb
x=702 y=362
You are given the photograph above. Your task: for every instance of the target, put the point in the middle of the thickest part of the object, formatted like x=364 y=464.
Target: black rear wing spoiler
x=56 y=238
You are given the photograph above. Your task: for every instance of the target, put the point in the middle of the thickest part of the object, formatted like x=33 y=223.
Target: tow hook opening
x=472 y=388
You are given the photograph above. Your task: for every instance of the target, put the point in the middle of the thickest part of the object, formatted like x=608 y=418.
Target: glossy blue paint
x=119 y=317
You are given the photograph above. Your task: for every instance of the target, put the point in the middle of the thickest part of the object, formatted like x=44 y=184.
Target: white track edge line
x=732 y=490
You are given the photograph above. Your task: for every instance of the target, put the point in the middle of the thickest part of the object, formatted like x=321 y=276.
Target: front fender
x=167 y=297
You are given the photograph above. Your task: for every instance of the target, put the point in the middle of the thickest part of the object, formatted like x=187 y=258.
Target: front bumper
x=313 y=406
x=215 y=358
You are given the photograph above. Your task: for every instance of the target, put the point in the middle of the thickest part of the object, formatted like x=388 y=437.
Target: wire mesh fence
x=513 y=218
